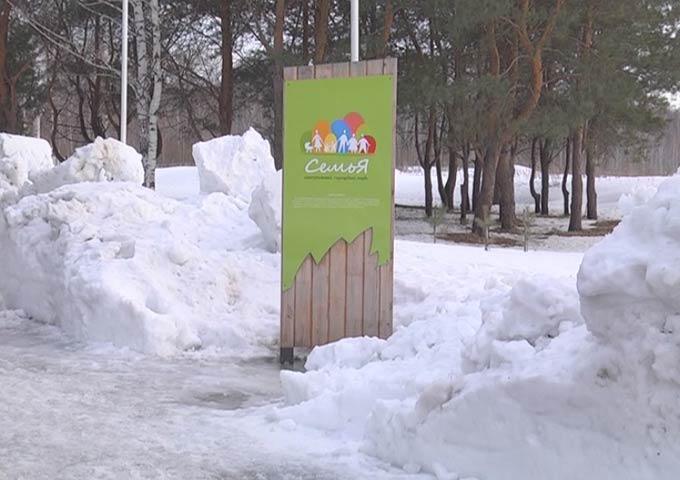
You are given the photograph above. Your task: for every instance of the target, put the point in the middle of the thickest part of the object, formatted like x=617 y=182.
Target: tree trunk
x=37 y=126
x=305 y=32
x=428 y=191
x=96 y=94
x=506 y=179
x=488 y=183
x=532 y=188
x=278 y=83
x=440 y=181
x=323 y=8
x=155 y=104
x=477 y=180
x=565 y=192
x=82 y=124
x=387 y=29
x=149 y=85
x=545 y=153
x=464 y=188
x=427 y=156
x=497 y=185
x=226 y=99
x=450 y=186
x=591 y=192
x=575 y=221
x=142 y=87
x=6 y=121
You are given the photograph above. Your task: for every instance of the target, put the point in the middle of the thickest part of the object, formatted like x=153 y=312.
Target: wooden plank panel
x=288 y=318
x=321 y=272
x=324 y=71
x=305 y=72
x=371 y=288
x=390 y=67
x=287 y=339
x=374 y=67
x=320 y=298
x=340 y=70
x=303 y=304
x=290 y=73
x=338 y=291
x=355 y=288
x=357 y=69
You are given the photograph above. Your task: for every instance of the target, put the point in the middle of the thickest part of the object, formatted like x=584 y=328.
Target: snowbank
x=19 y=157
x=640 y=195
x=265 y=209
x=234 y=165
x=519 y=322
x=504 y=379
x=560 y=414
x=101 y=161
x=117 y=263
x=629 y=285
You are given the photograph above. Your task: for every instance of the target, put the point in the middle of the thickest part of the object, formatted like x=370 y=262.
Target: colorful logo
x=344 y=136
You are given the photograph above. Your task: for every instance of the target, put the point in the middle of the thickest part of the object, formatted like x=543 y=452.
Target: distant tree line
x=483 y=83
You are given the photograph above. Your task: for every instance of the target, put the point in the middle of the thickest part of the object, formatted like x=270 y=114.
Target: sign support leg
x=287 y=356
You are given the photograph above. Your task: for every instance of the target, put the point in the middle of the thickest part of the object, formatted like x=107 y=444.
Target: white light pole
x=124 y=74
x=355 y=30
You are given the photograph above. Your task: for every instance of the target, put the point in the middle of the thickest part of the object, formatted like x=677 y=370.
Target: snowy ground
x=71 y=410
x=68 y=411
x=410 y=189
x=546 y=233
x=499 y=332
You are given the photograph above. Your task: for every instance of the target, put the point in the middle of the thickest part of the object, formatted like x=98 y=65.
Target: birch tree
x=148 y=84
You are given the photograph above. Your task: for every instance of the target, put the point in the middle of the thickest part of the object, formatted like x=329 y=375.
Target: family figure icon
x=343 y=135
x=341 y=145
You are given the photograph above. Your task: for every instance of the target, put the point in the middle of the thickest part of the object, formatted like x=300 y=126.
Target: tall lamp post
x=355 y=30
x=124 y=74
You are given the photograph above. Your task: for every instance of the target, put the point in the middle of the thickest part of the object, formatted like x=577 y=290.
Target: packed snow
x=629 y=286
x=265 y=209
x=71 y=411
x=19 y=158
x=522 y=375
x=234 y=164
x=121 y=264
x=116 y=263
x=104 y=160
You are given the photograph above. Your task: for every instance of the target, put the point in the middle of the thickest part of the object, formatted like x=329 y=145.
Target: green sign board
x=337 y=175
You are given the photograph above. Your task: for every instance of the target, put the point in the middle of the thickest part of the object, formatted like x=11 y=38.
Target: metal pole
x=124 y=74
x=355 y=30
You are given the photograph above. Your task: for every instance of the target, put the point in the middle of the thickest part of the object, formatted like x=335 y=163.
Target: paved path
x=70 y=412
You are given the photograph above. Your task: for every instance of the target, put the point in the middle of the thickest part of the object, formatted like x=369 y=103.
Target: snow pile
x=564 y=413
x=19 y=157
x=101 y=161
x=234 y=165
x=265 y=209
x=522 y=321
x=499 y=380
x=114 y=262
x=640 y=195
x=629 y=285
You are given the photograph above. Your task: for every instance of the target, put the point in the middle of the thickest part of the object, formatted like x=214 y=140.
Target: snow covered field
x=139 y=341
x=410 y=190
